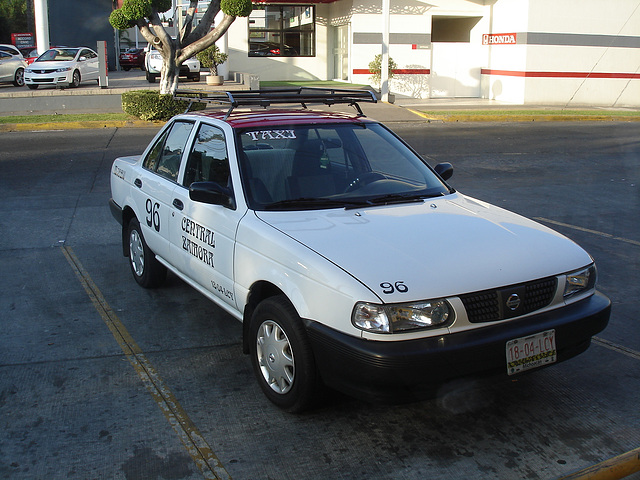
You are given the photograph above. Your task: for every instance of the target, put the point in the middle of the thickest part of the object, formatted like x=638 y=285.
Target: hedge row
x=149 y=105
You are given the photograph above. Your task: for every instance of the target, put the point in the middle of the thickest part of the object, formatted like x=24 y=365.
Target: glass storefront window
x=282 y=31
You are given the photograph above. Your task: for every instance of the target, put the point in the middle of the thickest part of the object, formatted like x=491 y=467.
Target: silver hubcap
x=136 y=253
x=275 y=357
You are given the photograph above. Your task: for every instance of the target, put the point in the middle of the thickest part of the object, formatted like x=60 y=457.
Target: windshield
x=331 y=166
x=58 y=55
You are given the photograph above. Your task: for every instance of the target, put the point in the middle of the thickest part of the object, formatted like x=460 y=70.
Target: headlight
x=580 y=281
x=401 y=317
x=63 y=69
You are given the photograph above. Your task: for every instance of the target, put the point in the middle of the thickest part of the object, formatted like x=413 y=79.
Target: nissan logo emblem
x=513 y=302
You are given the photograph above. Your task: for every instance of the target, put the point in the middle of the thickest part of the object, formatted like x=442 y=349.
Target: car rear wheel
x=281 y=355
x=146 y=269
x=75 y=81
x=151 y=77
x=18 y=78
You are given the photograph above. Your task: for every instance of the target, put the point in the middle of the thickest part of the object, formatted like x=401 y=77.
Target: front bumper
x=48 y=78
x=186 y=70
x=402 y=370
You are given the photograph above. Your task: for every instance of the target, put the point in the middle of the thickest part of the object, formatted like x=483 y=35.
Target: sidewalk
x=90 y=98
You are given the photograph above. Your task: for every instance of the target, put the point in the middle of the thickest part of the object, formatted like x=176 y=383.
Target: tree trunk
x=169 y=76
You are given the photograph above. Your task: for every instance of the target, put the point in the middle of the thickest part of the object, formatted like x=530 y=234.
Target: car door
x=89 y=66
x=6 y=67
x=155 y=183
x=203 y=235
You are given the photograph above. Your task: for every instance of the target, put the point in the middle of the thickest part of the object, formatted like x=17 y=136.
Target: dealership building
x=560 y=52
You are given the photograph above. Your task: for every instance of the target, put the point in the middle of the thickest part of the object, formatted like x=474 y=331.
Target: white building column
x=41 y=13
x=384 y=64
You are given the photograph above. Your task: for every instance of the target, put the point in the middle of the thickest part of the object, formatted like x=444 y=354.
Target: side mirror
x=212 y=193
x=445 y=170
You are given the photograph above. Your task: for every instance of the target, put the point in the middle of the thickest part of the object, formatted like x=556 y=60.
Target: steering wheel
x=364 y=179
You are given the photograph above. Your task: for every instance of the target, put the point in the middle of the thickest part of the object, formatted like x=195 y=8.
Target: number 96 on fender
x=530 y=352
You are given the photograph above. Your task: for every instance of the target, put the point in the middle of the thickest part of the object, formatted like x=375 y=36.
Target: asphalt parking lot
x=101 y=379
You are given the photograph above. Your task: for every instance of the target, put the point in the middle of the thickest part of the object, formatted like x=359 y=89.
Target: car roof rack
x=265 y=98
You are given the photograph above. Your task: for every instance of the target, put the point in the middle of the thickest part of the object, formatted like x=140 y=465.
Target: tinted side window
x=164 y=158
x=208 y=159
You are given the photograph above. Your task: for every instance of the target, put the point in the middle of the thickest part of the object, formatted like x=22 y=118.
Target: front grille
x=508 y=302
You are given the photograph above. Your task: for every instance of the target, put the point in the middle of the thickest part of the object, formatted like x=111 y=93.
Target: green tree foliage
x=236 y=8
x=13 y=18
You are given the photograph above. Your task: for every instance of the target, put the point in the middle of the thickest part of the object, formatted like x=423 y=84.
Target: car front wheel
x=146 y=269
x=75 y=81
x=281 y=355
x=18 y=79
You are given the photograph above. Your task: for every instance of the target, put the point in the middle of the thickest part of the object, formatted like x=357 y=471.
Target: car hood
x=51 y=65
x=442 y=247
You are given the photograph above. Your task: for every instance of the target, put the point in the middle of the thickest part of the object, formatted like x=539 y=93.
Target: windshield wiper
x=308 y=203
x=393 y=198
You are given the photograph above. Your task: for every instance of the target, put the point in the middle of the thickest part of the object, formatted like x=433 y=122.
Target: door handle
x=178 y=204
x=138 y=183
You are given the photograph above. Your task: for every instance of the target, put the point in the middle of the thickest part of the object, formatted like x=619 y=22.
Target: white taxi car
x=350 y=261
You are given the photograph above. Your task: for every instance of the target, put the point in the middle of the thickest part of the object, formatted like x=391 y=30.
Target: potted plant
x=375 y=67
x=210 y=58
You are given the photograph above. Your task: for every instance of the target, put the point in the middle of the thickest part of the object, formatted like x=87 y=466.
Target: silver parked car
x=12 y=68
x=11 y=49
x=63 y=67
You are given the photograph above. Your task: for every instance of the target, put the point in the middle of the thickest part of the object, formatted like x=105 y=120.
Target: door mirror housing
x=445 y=170
x=212 y=193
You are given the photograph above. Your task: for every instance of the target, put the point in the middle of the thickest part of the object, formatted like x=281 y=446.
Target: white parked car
x=153 y=66
x=12 y=68
x=350 y=261
x=63 y=67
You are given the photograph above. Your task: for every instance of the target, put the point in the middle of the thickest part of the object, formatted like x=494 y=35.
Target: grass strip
x=80 y=117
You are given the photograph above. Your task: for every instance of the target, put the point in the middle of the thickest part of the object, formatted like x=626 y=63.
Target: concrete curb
x=502 y=117
x=612 y=469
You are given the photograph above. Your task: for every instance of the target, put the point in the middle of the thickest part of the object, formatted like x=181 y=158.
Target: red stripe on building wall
x=397 y=71
x=514 y=73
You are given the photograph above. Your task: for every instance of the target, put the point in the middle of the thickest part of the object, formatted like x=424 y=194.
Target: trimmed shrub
x=236 y=8
x=119 y=21
x=134 y=9
x=149 y=105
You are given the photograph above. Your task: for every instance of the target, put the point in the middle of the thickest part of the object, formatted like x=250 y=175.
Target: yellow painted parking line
x=612 y=469
x=192 y=439
x=617 y=348
x=588 y=230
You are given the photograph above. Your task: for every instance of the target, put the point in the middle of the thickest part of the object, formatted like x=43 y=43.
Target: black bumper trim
x=387 y=371
x=116 y=211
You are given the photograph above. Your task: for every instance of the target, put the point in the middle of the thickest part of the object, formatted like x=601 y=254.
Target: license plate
x=530 y=352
